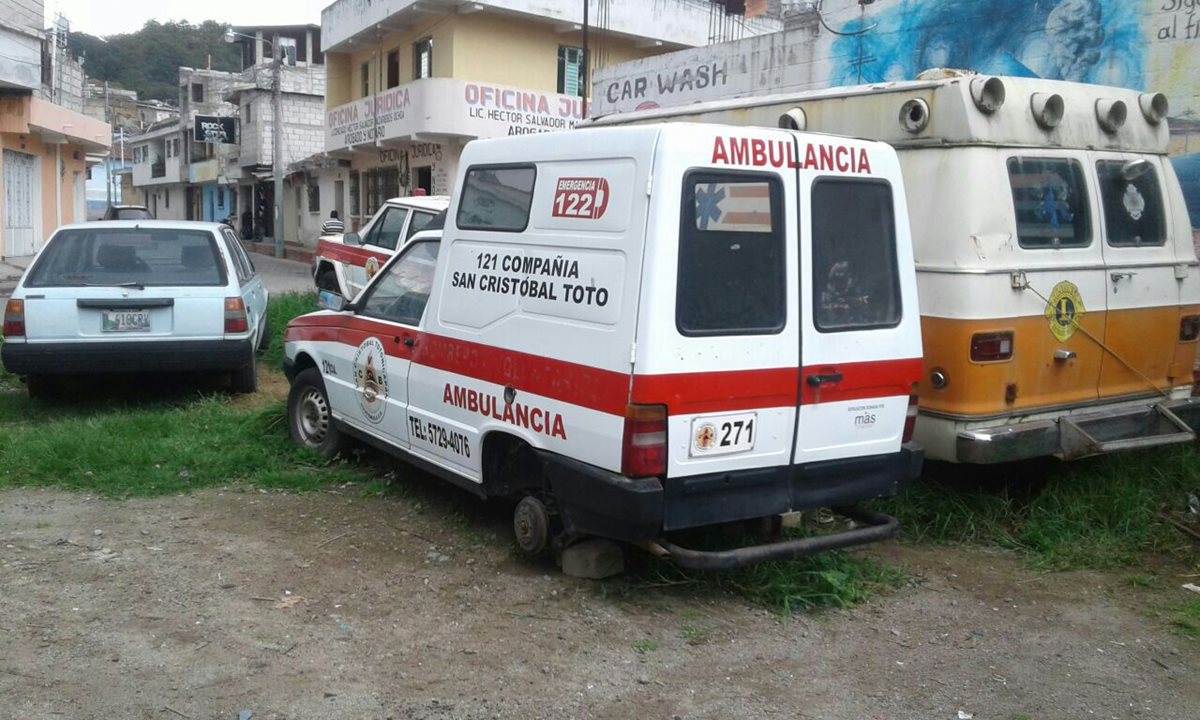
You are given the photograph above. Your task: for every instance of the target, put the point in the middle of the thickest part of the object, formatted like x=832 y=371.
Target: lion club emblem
x=372 y=267
x=371 y=379
x=706 y=435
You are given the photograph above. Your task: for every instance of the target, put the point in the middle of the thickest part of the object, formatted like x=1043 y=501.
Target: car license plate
x=125 y=321
x=723 y=434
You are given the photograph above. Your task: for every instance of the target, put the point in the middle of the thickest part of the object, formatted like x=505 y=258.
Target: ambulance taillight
x=644 y=446
x=910 y=417
x=991 y=347
x=1189 y=328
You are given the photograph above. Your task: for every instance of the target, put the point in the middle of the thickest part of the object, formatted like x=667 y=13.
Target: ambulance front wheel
x=310 y=418
x=531 y=526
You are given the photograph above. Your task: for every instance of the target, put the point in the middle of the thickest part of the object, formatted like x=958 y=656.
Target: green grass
x=145 y=437
x=641 y=647
x=282 y=309
x=1098 y=513
x=1185 y=620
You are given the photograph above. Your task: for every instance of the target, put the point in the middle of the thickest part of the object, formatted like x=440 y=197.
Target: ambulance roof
x=959 y=109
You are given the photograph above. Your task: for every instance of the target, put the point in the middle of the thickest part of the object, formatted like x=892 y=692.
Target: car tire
x=244 y=380
x=43 y=387
x=264 y=340
x=310 y=416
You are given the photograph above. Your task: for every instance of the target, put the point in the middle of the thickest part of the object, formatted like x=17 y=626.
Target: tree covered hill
x=149 y=60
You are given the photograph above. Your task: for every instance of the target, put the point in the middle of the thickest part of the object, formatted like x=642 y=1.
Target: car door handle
x=1117 y=276
x=824 y=378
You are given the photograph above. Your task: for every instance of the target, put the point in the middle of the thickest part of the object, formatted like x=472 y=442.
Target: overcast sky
x=110 y=17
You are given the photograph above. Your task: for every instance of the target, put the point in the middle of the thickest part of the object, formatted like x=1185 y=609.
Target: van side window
x=1133 y=207
x=731 y=278
x=1050 y=203
x=402 y=293
x=496 y=198
x=856 y=283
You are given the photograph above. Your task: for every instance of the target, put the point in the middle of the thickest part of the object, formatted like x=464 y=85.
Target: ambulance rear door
x=860 y=342
x=1143 y=293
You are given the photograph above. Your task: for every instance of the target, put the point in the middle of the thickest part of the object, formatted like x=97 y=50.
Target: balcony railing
x=158 y=169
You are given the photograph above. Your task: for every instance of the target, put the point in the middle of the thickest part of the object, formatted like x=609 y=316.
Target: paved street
x=283 y=276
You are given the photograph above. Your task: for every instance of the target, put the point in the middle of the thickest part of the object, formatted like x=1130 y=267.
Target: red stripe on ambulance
x=347 y=254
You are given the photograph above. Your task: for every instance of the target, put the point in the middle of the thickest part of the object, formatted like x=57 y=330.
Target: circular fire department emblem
x=1134 y=202
x=372 y=267
x=1064 y=310
x=706 y=436
x=370 y=379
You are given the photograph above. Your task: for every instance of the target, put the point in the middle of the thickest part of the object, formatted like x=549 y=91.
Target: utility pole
x=587 y=60
x=277 y=160
x=108 y=169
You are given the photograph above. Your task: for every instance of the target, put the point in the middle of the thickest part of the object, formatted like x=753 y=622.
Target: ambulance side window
x=731 y=277
x=385 y=232
x=856 y=284
x=496 y=198
x=402 y=293
x=1133 y=208
x=1050 y=203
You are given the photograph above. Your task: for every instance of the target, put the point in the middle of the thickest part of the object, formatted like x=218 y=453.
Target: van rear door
x=860 y=339
x=1143 y=294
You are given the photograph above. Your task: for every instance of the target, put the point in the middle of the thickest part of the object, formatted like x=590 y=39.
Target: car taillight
x=644 y=447
x=14 y=318
x=1189 y=328
x=991 y=347
x=235 y=316
x=910 y=417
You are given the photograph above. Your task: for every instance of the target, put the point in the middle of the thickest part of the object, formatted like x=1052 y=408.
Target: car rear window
x=855 y=278
x=1050 y=203
x=1133 y=208
x=731 y=255
x=131 y=214
x=129 y=256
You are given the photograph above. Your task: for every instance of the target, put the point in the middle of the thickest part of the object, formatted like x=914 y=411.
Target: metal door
x=20 y=201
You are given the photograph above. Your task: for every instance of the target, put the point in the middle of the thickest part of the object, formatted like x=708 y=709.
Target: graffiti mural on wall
x=1152 y=44
x=1096 y=41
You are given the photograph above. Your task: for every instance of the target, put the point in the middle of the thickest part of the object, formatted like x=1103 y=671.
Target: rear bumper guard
x=874 y=527
x=1071 y=437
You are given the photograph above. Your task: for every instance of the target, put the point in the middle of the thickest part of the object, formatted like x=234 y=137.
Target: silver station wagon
x=137 y=297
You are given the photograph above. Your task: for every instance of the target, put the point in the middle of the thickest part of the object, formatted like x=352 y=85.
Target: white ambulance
x=1060 y=290
x=640 y=330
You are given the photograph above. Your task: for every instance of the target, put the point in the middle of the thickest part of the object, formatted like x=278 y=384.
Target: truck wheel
x=531 y=526
x=310 y=417
x=264 y=339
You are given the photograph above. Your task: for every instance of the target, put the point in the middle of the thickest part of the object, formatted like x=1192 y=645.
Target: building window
x=382 y=185
x=167 y=197
x=314 y=196
x=247 y=115
x=570 y=70
x=354 y=194
x=366 y=79
x=393 y=69
x=423 y=58
x=197 y=92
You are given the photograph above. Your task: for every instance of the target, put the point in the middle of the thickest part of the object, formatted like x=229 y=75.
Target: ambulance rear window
x=731 y=255
x=1133 y=204
x=1050 y=203
x=856 y=284
x=496 y=198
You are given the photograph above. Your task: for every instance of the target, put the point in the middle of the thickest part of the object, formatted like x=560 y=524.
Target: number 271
x=736 y=428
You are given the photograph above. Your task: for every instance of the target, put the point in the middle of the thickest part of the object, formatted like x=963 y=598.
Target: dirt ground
x=410 y=605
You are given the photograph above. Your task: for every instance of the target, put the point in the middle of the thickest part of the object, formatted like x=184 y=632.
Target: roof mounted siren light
x=914 y=115
x=1154 y=107
x=794 y=119
x=1048 y=109
x=1111 y=114
x=988 y=93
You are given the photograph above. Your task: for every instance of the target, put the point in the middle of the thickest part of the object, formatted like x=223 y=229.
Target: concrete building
x=1143 y=44
x=45 y=140
x=410 y=82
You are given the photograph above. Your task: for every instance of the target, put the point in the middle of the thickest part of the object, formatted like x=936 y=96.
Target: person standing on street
x=333 y=226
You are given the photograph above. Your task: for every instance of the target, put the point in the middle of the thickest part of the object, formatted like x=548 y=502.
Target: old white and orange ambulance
x=1060 y=291
x=344 y=262
x=639 y=330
